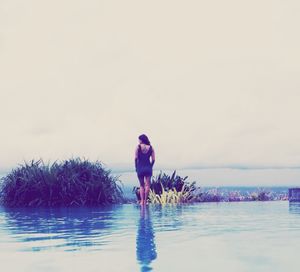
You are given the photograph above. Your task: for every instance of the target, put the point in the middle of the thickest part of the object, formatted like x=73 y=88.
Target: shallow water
x=246 y=236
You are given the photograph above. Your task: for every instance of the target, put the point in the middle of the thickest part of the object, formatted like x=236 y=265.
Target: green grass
x=69 y=183
x=172 y=196
x=170 y=189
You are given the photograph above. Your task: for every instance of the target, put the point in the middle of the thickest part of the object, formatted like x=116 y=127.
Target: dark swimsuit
x=144 y=166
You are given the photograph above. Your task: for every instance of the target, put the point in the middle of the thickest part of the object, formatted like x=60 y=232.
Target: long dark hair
x=144 y=139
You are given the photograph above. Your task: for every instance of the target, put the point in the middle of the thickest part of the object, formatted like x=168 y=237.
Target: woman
x=143 y=166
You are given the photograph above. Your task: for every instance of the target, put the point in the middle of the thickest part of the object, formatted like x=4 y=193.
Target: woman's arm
x=136 y=157
x=152 y=157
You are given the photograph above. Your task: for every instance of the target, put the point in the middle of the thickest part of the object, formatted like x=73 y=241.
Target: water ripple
x=152 y=231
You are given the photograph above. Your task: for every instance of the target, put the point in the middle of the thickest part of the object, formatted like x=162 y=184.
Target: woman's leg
x=142 y=189
x=147 y=187
x=142 y=195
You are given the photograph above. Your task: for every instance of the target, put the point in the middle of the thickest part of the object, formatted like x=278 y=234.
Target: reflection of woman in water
x=144 y=166
x=145 y=244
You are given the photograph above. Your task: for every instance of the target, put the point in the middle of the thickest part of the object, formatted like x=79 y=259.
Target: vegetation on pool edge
x=173 y=189
x=77 y=182
x=70 y=183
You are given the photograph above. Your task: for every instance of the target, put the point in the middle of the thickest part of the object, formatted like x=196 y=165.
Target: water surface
x=247 y=236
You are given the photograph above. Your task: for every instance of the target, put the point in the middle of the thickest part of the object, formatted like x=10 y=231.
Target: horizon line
x=125 y=167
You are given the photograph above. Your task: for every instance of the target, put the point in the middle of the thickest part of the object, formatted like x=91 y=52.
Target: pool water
x=245 y=236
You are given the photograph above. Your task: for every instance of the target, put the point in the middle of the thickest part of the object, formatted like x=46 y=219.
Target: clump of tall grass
x=172 y=196
x=73 y=182
x=167 y=182
x=166 y=189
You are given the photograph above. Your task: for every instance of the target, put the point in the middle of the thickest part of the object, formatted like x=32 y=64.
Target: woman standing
x=143 y=166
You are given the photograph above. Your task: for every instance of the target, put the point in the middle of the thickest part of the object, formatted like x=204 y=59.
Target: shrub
x=215 y=195
x=261 y=195
x=73 y=182
x=166 y=182
x=172 y=196
x=209 y=196
x=170 y=187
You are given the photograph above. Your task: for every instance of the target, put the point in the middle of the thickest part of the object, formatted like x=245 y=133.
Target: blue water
x=247 y=236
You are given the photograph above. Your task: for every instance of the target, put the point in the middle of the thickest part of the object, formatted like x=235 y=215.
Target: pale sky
x=212 y=83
